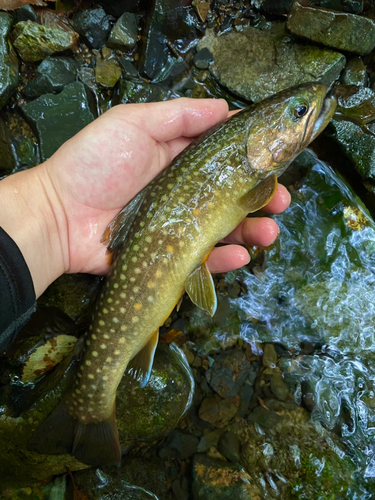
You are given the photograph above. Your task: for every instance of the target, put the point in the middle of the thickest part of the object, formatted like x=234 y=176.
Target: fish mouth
x=326 y=113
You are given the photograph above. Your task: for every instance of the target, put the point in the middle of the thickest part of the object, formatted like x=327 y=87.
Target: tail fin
x=93 y=444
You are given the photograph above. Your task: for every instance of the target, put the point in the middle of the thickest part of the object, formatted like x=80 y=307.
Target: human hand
x=94 y=174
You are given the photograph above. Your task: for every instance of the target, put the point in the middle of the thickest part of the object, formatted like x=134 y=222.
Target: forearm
x=29 y=216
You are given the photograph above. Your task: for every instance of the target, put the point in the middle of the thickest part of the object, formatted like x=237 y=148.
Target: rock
x=264 y=417
x=25 y=13
x=107 y=71
x=19 y=147
x=356 y=103
x=353 y=6
x=117 y=7
x=128 y=68
x=274 y=7
x=304 y=456
x=35 y=42
x=52 y=75
x=136 y=479
x=8 y=61
x=215 y=479
x=139 y=91
x=171 y=25
x=255 y=64
x=279 y=387
x=183 y=445
x=355 y=73
x=151 y=413
x=56 y=118
x=75 y=294
x=229 y=446
x=218 y=412
x=94 y=25
x=269 y=359
x=338 y=30
x=209 y=440
x=124 y=34
x=228 y=373
x=203 y=58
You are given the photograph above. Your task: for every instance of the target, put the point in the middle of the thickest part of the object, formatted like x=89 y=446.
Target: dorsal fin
x=117 y=230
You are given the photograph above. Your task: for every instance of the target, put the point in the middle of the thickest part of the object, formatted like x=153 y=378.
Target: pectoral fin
x=140 y=366
x=117 y=230
x=258 y=197
x=201 y=290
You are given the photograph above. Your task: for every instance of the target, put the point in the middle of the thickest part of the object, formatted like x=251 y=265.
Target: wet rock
x=124 y=34
x=35 y=41
x=52 y=75
x=117 y=7
x=218 y=412
x=255 y=63
x=151 y=413
x=303 y=455
x=183 y=445
x=218 y=480
x=171 y=25
x=356 y=103
x=136 y=479
x=353 y=6
x=56 y=118
x=203 y=58
x=264 y=417
x=269 y=359
x=75 y=294
x=338 y=30
x=229 y=446
x=279 y=387
x=94 y=25
x=25 y=13
x=139 y=91
x=355 y=73
x=128 y=68
x=8 y=60
x=209 y=440
x=229 y=372
x=275 y=7
x=19 y=148
x=107 y=71
x=43 y=342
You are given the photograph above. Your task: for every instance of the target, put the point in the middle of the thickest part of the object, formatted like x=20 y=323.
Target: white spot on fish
x=103 y=346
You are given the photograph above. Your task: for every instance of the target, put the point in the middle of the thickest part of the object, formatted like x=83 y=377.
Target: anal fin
x=258 y=197
x=201 y=289
x=140 y=366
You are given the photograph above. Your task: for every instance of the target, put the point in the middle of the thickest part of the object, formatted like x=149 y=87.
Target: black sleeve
x=17 y=295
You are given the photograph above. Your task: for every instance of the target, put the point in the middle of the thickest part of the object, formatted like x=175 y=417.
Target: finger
x=177 y=145
x=227 y=258
x=181 y=117
x=257 y=231
x=280 y=201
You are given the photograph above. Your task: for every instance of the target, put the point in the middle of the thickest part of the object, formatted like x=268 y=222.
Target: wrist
x=32 y=215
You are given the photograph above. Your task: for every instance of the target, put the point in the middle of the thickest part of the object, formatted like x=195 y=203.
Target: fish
x=160 y=242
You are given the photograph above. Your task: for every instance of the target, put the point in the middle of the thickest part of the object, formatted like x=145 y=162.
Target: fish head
x=283 y=125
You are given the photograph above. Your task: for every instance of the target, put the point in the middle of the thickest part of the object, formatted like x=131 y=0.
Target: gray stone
x=229 y=446
x=185 y=445
x=52 y=75
x=255 y=64
x=275 y=7
x=218 y=412
x=279 y=387
x=35 y=41
x=339 y=30
x=203 y=59
x=56 y=118
x=25 y=13
x=124 y=34
x=8 y=60
x=353 y=6
x=228 y=373
x=94 y=25
x=128 y=68
x=355 y=73
x=356 y=103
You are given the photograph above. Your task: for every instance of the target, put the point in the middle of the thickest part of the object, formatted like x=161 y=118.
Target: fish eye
x=300 y=110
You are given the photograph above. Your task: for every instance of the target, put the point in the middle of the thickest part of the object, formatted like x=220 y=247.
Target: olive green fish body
x=175 y=222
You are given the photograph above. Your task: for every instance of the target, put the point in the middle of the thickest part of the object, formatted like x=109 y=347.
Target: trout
x=160 y=242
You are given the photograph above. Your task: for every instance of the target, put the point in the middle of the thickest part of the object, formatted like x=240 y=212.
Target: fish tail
x=94 y=444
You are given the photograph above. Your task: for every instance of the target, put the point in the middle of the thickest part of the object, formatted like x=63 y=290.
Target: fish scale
x=160 y=243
